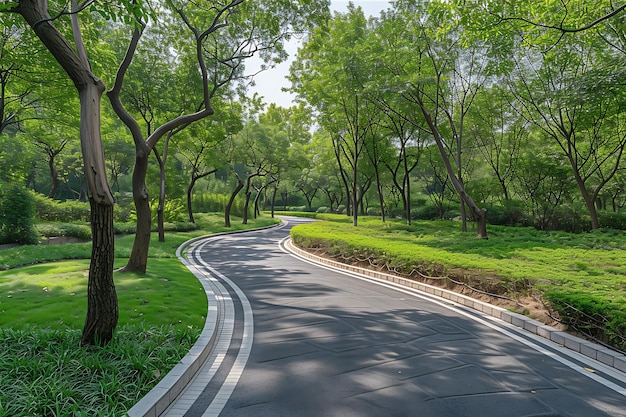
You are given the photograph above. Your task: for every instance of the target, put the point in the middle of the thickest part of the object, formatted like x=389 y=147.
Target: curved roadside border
x=592 y=350
x=159 y=398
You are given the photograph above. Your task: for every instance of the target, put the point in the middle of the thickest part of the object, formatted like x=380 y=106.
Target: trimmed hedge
x=49 y=210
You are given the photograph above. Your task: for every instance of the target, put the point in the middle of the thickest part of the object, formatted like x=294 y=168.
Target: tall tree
x=330 y=74
x=102 y=309
x=224 y=35
x=441 y=78
x=562 y=93
x=197 y=150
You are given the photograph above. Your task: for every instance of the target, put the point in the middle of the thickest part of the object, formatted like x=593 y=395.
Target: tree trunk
x=257 y=197
x=248 y=193
x=246 y=207
x=479 y=214
x=589 y=201
x=231 y=201
x=161 y=206
x=102 y=310
x=381 y=198
x=274 y=199
x=406 y=193
x=138 y=260
x=355 y=197
x=54 y=177
x=102 y=307
x=192 y=183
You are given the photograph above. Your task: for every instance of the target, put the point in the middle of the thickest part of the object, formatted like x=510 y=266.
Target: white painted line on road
x=450 y=305
x=215 y=408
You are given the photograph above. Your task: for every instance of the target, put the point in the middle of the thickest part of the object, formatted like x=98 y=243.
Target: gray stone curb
x=595 y=351
x=155 y=402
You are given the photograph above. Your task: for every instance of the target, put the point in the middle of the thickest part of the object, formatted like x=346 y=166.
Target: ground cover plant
x=43 y=369
x=581 y=278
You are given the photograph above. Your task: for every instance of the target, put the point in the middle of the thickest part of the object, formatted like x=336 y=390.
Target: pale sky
x=270 y=82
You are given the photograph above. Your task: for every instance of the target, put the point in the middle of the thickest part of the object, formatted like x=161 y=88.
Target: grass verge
x=581 y=277
x=43 y=369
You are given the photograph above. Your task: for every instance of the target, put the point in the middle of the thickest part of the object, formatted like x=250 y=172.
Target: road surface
x=300 y=340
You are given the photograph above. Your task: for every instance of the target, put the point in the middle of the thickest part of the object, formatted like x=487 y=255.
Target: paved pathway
x=327 y=344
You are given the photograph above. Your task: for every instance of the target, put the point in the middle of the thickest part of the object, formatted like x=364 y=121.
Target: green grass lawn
x=584 y=271
x=43 y=302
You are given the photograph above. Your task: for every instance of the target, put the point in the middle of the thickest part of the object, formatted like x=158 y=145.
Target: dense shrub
x=323 y=209
x=570 y=218
x=173 y=210
x=123 y=211
x=80 y=231
x=49 y=210
x=425 y=212
x=17 y=212
x=216 y=203
x=177 y=226
x=612 y=220
x=127 y=228
x=508 y=213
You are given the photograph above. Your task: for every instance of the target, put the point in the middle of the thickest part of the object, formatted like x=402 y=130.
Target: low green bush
x=571 y=218
x=425 y=212
x=186 y=226
x=49 y=210
x=17 y=211
x=214 y=202
x=308 y=214
x=127 y=228
x=508 y=213
x=612 y=220
x=79 y=231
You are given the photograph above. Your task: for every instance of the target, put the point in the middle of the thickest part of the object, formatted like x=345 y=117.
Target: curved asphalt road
x=310 y=341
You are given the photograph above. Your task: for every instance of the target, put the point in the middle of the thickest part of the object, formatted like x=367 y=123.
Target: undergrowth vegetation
x=581 y=277
x=45 y=372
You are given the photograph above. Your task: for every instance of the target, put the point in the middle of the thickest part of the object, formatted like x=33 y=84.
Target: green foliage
x=208 y=223
x=612 y=220
x=46 y=373
x=17 y=210
x=173 y=210
x=426 y=211
x=49 y=210
x=79 y=231
x=127 y=228
x=307 y=214
x=214 y=202
x=508 y=213
x=600 y=317
x=570 y=218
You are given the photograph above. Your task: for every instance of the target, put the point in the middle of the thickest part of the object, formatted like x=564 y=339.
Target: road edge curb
x=162 y=395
